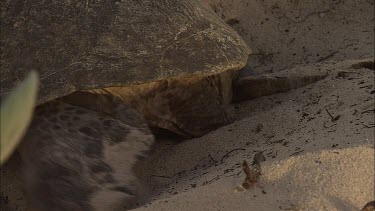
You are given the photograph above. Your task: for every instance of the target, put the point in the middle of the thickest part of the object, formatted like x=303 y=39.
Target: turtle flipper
x=247 y=86
x=78 y=159
x=189 y=107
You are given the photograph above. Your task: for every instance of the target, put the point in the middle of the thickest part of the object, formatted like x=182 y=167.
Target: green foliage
x=16 y=113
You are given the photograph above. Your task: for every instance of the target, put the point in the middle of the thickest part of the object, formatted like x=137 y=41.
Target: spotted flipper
x=78 y=159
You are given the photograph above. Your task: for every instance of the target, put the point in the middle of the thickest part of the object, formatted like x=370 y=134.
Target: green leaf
x=16 y=113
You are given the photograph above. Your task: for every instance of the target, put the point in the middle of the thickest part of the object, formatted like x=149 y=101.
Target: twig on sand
x=371 y=125
x=296 y=153
x=368 y=111
x=332 y=117
x=328 y=56
x=233 y=150
x=161 y=176
x=211 y=158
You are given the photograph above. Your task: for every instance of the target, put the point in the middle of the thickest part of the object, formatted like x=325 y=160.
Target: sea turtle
x=81 y=158
x=193 y=106
x=173 y=61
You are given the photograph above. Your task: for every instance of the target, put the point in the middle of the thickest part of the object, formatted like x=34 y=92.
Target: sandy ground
x=283 y=34
x=314 y=161
x=318 y=140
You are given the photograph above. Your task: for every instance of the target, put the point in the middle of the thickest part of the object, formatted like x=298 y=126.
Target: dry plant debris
x=252 y=174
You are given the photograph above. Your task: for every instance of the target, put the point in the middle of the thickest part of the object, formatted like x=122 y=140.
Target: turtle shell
x=77 y=45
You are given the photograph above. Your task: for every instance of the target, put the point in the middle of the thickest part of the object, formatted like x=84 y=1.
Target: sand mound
x=329 y=125
x=327 y=180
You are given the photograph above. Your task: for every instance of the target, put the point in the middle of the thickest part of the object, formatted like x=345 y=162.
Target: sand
x=314 y=161
x=324 y=180
x=283 y=34
x=318 y=140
